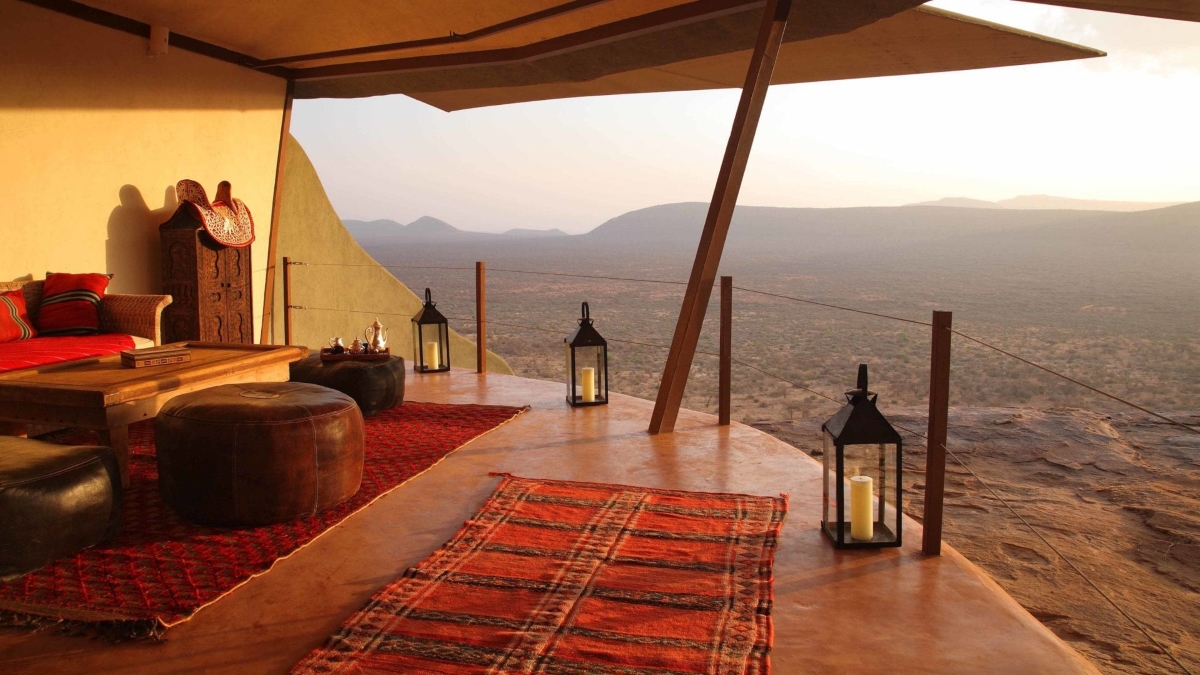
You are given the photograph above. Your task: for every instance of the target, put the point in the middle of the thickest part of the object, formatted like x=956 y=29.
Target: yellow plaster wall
x=94 y=135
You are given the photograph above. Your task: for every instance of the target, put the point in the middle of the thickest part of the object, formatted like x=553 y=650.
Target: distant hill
x=1037 y=202
x=432 y=230
x=961 y=202
x=854 y=231
x=524 y=232
x=1049 y=202
x=430 y=226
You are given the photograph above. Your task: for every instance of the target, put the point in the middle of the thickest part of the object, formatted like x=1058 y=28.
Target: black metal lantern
x=862 y=460
x=587 y=364
x=431 y=339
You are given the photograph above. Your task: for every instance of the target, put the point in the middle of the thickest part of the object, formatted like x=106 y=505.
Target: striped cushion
x=71 y=304
x=14 y=318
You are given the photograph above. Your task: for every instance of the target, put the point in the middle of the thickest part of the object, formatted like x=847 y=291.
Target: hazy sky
x=1121 y=127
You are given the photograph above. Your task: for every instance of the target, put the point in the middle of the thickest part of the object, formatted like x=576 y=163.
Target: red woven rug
x=160 y=570
x=579 y=579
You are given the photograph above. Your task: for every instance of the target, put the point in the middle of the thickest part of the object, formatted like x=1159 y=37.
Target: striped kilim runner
x=579 y=579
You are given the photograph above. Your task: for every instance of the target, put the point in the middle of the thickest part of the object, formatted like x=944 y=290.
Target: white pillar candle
x=431 y=356
x=588 y=384
x=862 y=516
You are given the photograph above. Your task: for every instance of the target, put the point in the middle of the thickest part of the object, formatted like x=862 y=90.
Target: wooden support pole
x=725 y=387
x=266 y=332
x=287 y=301
x=720 y=212
x=481 y=316
x=935 y=454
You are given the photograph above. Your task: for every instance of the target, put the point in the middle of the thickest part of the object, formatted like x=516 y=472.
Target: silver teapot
x=336 y=345
x=376 y=336
x=357 y=347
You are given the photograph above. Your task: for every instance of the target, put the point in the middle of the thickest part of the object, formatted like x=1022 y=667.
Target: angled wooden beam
x=720 y=212
x=285 y=126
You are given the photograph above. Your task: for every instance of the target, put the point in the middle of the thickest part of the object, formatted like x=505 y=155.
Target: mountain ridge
x=1050 y=202
x=1160 y=247
x=681 y=221
x=428 y=228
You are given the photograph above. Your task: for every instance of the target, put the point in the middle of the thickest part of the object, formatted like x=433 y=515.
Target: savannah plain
x=1110 y=299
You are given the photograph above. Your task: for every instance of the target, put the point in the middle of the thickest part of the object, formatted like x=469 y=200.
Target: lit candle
x=862 y=516
x=431 y=356
x=588 y=385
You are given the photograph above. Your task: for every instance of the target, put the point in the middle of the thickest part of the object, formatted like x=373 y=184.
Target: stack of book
x=155 y=356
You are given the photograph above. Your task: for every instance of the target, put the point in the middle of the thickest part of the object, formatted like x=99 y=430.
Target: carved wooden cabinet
x=210 y=284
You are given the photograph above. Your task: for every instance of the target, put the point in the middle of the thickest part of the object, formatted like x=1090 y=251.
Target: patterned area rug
x=161 y=570
x=578 y=579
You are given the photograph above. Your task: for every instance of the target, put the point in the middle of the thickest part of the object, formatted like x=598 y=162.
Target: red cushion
x=14 y=319
x=71 y=304
x=42 y=351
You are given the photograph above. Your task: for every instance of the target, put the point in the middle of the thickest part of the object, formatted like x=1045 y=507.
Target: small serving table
x=103 y=395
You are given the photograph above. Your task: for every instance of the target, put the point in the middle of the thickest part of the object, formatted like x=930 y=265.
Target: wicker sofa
x=126 y=321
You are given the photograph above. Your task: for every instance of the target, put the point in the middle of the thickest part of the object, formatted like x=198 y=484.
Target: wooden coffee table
x=103 y=395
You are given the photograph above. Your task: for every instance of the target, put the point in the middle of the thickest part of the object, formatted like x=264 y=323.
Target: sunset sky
x=1117 y=128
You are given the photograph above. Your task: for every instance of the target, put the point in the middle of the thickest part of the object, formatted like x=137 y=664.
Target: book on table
x=155 y=356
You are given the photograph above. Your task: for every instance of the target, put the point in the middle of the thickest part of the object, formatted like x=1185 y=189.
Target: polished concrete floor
x=890 y=611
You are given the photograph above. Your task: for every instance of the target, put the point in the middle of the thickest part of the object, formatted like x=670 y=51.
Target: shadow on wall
x=132 y=249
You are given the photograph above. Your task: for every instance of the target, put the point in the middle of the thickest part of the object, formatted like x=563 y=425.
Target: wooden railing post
x=287 y=300
x=725 y=377
x=481 y=317
x=939 y=411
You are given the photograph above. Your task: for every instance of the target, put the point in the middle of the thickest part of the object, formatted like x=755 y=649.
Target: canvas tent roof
x=921 y=40
x=458 y=54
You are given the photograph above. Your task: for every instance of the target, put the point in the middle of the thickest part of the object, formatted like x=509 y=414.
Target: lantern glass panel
x=877 y=462
x=431 y=347
x=595 y=358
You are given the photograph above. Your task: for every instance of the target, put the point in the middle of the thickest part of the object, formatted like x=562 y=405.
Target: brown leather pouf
x=258 y=453
x=374 y=385
x=55 y=500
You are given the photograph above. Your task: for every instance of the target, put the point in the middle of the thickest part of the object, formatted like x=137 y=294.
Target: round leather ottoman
x=375 y=385
x=258 y=453
x=55 y=500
